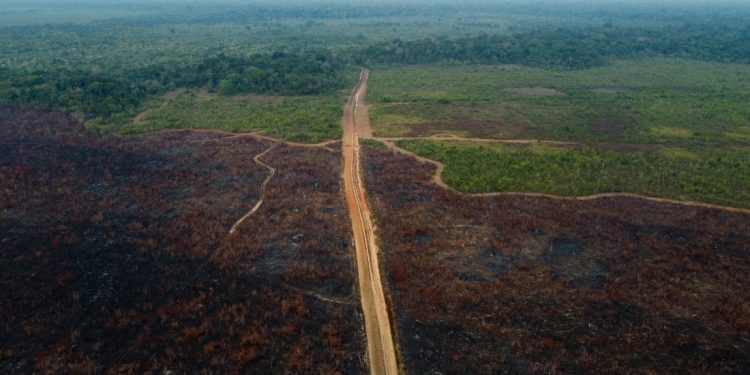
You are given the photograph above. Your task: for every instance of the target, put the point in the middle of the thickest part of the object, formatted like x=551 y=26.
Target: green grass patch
x=654 y=100
x=718 y=176
x=301 y=119
x=742 y=134
x=670 y=132
x=372 y=143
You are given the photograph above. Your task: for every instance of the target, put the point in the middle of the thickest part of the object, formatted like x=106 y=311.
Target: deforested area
x=526 y=284
x=116 y=254
x=382 y=187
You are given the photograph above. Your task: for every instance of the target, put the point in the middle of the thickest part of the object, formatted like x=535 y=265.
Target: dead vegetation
x=115 y=255
x=534 y=285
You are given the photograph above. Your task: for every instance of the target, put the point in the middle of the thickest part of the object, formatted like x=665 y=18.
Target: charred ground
x=115 y=254
x=533 y=285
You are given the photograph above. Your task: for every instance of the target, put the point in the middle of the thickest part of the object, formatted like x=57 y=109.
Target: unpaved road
x=380 y=347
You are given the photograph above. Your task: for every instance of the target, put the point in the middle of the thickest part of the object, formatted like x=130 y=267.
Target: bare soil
x=380 y=344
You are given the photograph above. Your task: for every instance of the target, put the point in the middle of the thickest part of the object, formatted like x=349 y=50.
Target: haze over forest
x=383 y=187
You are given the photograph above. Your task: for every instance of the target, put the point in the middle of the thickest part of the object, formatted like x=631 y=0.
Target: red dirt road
x=380 y=346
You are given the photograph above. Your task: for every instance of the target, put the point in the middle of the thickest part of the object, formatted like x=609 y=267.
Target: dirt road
x=380 y=346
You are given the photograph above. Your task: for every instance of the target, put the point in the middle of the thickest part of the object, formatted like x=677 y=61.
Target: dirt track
x=229 y=135
x=257 y=205
x=380 y=346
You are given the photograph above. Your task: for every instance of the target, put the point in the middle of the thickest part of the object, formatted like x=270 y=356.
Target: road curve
x=380 y=346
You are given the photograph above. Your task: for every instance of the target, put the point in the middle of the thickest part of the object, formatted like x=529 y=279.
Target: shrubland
x=299 y=118
x=712 y=175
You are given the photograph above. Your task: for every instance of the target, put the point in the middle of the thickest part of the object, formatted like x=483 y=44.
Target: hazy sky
x=368 y=2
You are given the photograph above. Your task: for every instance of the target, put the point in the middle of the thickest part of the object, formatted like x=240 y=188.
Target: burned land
x=116 y=256
x=520 y=284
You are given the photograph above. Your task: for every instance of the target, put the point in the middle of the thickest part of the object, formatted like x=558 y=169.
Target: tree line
x=116 y=93
x=121 y=92
x=571 y=48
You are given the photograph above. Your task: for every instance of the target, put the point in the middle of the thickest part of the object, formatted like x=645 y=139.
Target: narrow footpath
x=380 y=346
x=271 y=172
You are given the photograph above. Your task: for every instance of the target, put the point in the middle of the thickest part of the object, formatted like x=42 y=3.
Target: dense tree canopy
x=121 y=92
x=572 y=48
x=117 y=92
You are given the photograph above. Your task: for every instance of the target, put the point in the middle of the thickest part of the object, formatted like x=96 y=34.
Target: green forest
x=106 y=69
x=118 y=94
x=572 y=48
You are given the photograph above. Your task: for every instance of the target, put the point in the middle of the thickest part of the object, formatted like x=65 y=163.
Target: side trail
x=225 y=135
x=271 y=171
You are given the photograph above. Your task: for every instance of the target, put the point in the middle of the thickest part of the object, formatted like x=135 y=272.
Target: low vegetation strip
x=653 y=100
x=380 y=344
x=712 y=176
x=302 y=118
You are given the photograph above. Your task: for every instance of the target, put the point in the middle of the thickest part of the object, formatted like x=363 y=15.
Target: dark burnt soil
x=115 y=257
x=536 y=285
